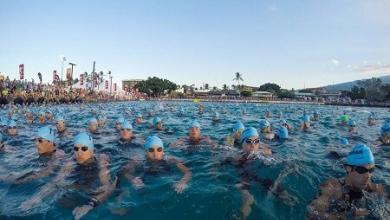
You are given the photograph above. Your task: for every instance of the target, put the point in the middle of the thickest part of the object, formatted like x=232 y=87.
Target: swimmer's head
x=126 y=130
x=250 y=140
x=83 y=148
x=45 y=139
x=60 y=123
x=359 y=165
x=119 y=122
x=93 y=125
x=194 y=131
x=264 y=124
x=282 y=132
x=12 y=128
x=154 y=148
x=238 y=128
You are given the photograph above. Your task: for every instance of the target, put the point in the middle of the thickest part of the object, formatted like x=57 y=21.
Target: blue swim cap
x=120 y=120
x=60 y=118
x=283 y=121
x=306 y=118
x=153 y=141
x=139 y=115
x=344 y=141
x=385 y=128
x=11 y=123
x=92 y=121
x=216 y=115
x=238 y=126
x=316 y=113
x=84 y=139
x=360 y=155
x=195 y=123
x=126 y=125
x=264 y=123
x=46 y=133
x=282 y=133
x=351 y=122
x=156 y=120
x=247 y=133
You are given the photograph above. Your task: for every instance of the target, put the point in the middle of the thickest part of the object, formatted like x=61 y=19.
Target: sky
x=296 y=44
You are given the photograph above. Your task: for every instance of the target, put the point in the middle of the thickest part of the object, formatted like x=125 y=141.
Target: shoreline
x=384 y=105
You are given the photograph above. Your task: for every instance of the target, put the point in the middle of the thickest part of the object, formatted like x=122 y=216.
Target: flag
x=21 y=71
x=40 y=77
x=106 y=84
x=95 y=79
x=81 y=79
x=54 y=76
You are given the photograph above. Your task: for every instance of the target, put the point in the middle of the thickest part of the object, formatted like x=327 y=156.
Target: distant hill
x=349 y=85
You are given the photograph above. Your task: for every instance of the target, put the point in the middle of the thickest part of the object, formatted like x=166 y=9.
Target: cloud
x=272 y=9
x=335 y=62
x=374 y=69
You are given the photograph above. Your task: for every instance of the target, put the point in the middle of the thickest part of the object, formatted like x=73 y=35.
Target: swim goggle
x=249 y=141
x=159 y=149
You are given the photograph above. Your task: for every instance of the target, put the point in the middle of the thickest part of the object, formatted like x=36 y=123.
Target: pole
x=109 y=73
x=72 y=64
x=93 y=75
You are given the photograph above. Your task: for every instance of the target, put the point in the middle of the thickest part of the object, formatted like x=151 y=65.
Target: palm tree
x=238 y=78
x=225 y=87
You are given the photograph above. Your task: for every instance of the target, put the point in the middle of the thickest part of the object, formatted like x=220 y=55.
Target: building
x=263 y=95
x=130 y=83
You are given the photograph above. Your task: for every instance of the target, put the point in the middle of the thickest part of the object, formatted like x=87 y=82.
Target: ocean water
x=298 y=165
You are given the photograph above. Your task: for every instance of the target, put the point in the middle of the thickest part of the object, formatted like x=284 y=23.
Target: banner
x=54 y=76
x=114 y=87
x=106 y=84
x=40 y=77
x=81 y=79
x=21 y=71
x=94 y=80
x=69 y=74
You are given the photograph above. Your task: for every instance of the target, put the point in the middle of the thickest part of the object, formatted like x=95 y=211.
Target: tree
x=284 y=93
x=206 y=86
x=238 y=78
x=225 y=87
x=155 y=87
x=246 y=93
x=305 y=90
x=270 y=87
x=355 y=93
x=372 y=87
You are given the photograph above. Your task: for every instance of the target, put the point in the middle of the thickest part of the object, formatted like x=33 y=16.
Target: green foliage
x=270 y=87
x=156 y=87
x=246 y=93
x=305 y=91
x=370 y=89
x=284 y=93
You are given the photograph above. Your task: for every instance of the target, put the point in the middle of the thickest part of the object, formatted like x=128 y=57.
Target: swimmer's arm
x=104 y=172
x=318 y=208
x=177 y=143
x=186 y=171
x=130 y=167
x=107 y=187
x=49 y=188
x=46 y=171
x=229 y=141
